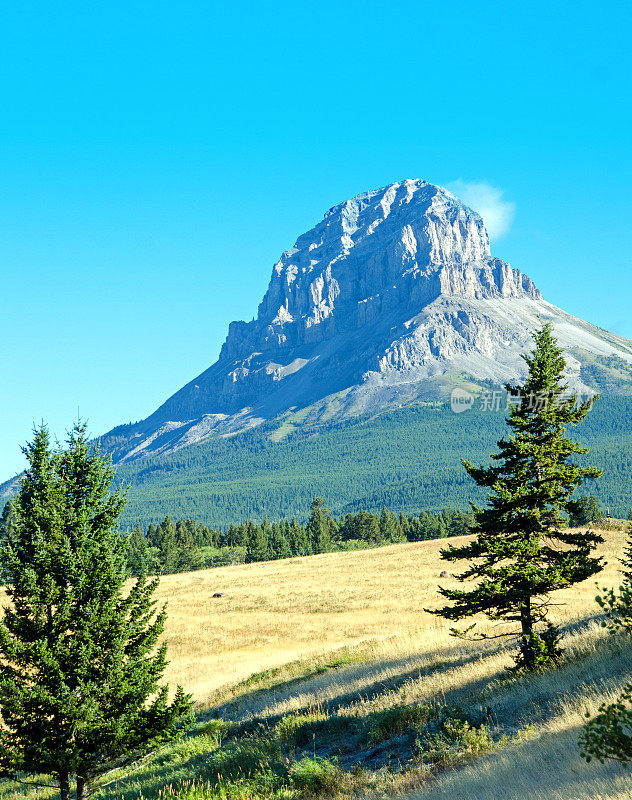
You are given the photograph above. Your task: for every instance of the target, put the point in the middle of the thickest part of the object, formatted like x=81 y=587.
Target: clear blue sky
x=156 y=158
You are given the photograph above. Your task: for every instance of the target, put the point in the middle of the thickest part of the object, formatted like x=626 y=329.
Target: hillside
x=339 y=386
x=324 y=676
x=409 y=460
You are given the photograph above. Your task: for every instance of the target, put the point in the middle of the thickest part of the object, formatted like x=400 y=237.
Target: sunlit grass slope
x=278 y=612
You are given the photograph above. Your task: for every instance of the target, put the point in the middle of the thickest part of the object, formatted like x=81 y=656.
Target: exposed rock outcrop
x=388 y=299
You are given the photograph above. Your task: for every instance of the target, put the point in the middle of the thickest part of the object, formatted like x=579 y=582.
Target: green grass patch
x=396 y=721
x=316 y=775
x=298 y=729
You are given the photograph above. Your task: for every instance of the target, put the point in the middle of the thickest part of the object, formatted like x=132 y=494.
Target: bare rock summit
x=392 y=298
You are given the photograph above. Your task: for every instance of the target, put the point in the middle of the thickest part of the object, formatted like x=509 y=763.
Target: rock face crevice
x=385 y=301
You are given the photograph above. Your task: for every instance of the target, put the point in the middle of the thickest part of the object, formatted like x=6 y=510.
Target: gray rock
x=393 y=297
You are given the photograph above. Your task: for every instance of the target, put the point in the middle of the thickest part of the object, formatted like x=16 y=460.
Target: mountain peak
x=400 y=245
x=389 y=295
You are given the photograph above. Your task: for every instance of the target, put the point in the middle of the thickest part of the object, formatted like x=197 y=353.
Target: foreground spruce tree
x=522 y=550
x=79 y=661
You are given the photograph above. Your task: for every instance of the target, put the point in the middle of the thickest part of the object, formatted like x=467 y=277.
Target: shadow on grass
x=252 y=702
x=353 y=729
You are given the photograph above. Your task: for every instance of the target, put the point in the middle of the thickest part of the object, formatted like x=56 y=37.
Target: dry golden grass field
x=362 y=614
x=278 y=612
x=327 y=662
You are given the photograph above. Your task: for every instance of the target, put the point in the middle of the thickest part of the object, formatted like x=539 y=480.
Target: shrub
x=453 y=740
x=216 y=729
x=609 y=734
x=315 y=775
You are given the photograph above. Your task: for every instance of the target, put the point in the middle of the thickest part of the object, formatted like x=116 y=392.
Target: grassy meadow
x=324 y=676
x=300 y=609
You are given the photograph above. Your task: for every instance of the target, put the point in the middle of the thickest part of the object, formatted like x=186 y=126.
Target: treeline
x=187 y=545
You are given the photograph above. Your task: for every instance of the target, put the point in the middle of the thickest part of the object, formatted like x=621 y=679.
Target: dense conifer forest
x=407 y=460
x=185 y=545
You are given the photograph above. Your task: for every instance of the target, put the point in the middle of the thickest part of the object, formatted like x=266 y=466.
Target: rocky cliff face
x=396 y=248
x=392 y=297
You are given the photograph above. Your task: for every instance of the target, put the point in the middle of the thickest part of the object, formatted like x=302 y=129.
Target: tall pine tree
x=523 y=550
x=138 y=557
x=257 y=543
x=319 y=527
x=80 y=667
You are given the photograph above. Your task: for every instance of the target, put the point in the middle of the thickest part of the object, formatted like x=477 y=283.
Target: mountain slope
x=408 y=459
x=393 y=297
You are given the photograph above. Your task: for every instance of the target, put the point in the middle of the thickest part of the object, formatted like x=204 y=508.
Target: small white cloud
x=487 y=201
